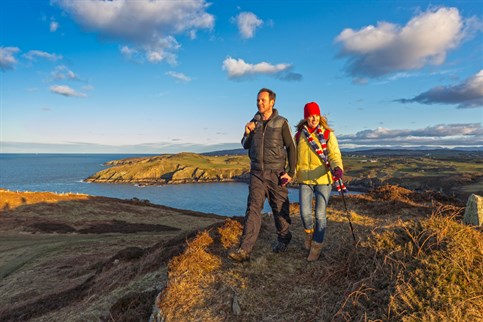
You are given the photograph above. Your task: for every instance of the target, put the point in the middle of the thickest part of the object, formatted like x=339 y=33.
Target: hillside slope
x=83 y=258
x=74 y=257
x=413 y=261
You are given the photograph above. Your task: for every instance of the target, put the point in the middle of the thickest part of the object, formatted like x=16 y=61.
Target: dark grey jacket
x=270 y=144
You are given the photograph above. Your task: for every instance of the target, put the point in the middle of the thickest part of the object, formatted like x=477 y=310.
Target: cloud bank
x=149 y=26
x=84 y=147
x=247 y=23
x=465 y=95
x=239 y=69
x=469 y=134
x=375 y=51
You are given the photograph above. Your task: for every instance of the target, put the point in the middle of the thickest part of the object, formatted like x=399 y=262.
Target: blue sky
x=147 y=76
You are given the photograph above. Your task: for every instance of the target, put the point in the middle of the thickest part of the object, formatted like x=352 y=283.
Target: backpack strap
x=297 y=136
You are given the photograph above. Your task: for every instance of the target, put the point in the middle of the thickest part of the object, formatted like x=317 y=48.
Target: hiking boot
x=308 y=240
x=281 y=244
x=279 y=247
x=315 y=251
x=239 y=255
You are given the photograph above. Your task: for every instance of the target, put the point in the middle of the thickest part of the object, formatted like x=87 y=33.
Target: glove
x=338 y=173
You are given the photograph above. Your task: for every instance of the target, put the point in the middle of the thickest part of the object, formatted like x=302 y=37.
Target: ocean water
x=63 y=173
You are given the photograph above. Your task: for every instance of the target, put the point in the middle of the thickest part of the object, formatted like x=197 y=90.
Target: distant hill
x=226 y=152
x=416 y=151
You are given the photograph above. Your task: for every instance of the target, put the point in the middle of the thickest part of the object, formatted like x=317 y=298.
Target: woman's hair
x=322 y=122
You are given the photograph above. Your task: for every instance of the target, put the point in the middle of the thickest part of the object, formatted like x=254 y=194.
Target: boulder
x=474 y=211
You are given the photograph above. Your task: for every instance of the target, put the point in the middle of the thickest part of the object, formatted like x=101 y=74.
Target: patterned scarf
x=322 y=153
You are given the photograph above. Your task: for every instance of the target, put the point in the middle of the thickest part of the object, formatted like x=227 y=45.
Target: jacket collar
x=258 y=117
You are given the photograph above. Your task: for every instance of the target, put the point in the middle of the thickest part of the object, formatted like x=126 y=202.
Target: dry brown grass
x=189 y=276
x=439 y=267
x=417 y=263
x=10 y=200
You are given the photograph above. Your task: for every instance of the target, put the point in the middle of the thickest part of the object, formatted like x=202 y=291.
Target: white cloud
x=374 y=51
x=238 y=68
x=65 y=91
x=54 y=25
x=148 y=25
x=128 y=52
x=179 y=76
x=7 y=58
x=440 y=135
x=466 y=95
x=247 y=23
x=34 y=54
x=62 y=72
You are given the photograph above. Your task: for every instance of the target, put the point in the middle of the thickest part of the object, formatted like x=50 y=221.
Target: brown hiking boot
x=239 y=255
x=308 y=240
x=315 y=251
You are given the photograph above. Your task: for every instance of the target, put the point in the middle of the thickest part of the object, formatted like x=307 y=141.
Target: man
x=270 y=144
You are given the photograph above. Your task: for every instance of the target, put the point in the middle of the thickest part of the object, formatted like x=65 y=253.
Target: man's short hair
x=271 y=94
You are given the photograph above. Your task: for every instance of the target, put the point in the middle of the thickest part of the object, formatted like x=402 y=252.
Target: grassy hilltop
x=81 y=258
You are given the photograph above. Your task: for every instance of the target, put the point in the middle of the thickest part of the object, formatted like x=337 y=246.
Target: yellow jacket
x=310 y=168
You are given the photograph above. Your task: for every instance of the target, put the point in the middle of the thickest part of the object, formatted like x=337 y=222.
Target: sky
x=166 y=76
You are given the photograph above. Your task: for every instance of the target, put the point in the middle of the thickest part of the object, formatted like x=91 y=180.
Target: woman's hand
x=338 y=173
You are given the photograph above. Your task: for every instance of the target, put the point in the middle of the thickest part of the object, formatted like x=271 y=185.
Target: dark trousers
x=264 y=184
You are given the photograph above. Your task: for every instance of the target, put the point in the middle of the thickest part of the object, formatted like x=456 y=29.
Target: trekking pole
x=347 y=210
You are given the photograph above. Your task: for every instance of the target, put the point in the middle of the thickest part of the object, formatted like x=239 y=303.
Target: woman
x=318 y=152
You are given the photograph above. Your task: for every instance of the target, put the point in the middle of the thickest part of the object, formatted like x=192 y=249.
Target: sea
x=65 y=173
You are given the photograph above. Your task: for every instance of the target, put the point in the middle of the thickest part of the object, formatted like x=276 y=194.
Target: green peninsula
x=175 y=168
x=456 y=173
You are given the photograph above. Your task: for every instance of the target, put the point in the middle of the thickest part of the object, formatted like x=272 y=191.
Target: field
x=458 y=176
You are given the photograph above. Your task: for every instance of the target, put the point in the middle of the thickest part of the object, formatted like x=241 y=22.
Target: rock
x=474 y=211
x=235 y=306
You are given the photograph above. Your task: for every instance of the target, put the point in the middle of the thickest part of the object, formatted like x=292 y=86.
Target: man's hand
x=285 y=179
x=249 y=127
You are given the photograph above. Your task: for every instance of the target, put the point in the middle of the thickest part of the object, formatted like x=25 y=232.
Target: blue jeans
x=322 y=194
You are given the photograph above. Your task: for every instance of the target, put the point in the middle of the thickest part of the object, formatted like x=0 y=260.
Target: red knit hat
x=311 y=109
